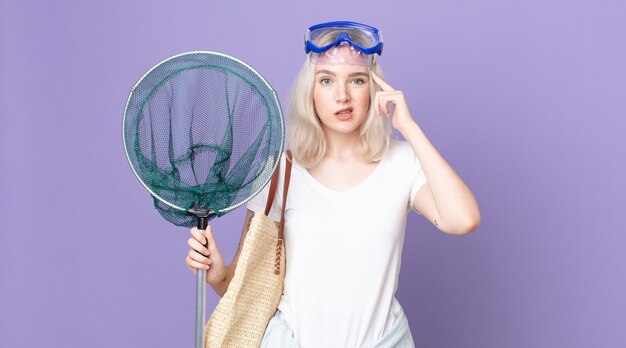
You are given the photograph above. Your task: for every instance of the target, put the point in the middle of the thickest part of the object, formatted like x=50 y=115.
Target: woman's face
x=341 y=95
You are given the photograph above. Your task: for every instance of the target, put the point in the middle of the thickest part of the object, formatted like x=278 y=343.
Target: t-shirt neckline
x=310 y=178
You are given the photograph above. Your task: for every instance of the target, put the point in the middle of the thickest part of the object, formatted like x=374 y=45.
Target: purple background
x=526 y=100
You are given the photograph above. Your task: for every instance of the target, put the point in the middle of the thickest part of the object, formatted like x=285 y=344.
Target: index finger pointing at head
x=379 y=81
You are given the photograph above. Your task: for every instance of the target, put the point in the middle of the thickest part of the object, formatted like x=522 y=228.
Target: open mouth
x=344 y=113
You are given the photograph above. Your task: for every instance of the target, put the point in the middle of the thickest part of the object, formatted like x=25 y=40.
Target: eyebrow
x=328 y=72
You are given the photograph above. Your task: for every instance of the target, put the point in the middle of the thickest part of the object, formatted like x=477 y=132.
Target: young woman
x=351 y=188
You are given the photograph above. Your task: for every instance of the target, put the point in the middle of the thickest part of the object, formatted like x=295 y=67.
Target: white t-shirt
x=343 y=250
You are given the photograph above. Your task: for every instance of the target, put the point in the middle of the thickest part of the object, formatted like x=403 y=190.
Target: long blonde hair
x=306 y=136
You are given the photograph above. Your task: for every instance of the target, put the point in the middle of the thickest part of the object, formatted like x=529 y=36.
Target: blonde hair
x=306 y=136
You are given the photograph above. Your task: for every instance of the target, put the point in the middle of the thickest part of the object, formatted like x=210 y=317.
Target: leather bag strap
x=285 y=190
x=273 y=186
x=281 y=235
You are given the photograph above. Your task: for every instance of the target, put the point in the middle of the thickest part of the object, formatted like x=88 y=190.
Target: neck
x=343 y=145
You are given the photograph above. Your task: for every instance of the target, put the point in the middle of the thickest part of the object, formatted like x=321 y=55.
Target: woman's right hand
x=208 y=258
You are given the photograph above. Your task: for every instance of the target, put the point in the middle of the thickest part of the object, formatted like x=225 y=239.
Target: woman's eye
x=325 y=81
x=358 y=81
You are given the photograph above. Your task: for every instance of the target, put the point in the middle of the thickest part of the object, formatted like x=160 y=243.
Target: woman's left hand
x=401 y=118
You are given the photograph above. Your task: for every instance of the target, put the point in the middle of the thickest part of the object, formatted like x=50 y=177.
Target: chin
x=342 y=128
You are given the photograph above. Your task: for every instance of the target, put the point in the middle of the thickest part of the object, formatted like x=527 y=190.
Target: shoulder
x=285 y=162
x=260 y=197
x=401 y=157
x=400 y=150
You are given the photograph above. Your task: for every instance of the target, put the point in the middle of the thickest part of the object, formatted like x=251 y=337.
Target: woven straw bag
x=242 y=315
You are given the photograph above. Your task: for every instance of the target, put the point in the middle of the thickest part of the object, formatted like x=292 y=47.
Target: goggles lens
x=342 y=53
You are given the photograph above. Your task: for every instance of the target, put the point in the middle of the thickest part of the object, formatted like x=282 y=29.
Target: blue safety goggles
x=365 y=38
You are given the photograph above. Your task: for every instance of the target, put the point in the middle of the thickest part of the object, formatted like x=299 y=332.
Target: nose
x=342 y=93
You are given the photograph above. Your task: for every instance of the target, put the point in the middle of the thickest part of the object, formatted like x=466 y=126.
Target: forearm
x=456 y=205
x=221 y=287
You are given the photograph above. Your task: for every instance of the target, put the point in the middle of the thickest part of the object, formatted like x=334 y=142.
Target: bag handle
x=285 y=190
x=270 y=201
x=274 y=186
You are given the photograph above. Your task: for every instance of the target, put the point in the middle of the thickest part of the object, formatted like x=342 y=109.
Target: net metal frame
x=260 y=77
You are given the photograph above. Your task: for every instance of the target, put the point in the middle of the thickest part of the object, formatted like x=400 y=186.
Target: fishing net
x=203 y=132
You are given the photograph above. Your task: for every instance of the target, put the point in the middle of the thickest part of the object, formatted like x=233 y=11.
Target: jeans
x=279 y=334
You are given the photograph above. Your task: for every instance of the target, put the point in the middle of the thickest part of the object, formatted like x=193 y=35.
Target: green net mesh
x=202 y=130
